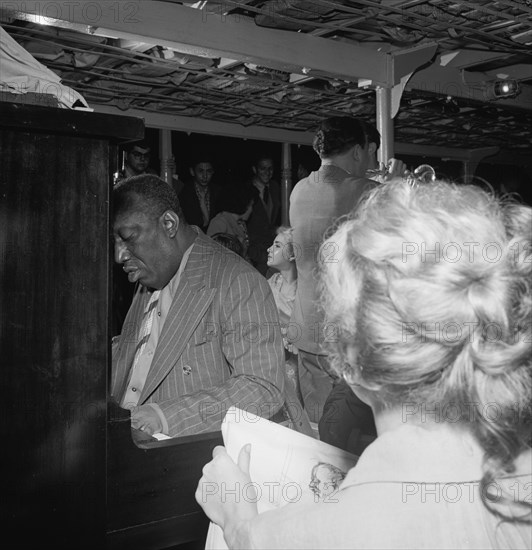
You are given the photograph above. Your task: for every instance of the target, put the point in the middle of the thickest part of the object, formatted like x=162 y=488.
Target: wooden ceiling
x=285 y=64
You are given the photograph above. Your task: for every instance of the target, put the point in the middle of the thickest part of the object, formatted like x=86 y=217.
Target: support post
x=385 y=123
x=466 y=171
x=166 y=156
x=286 y=183
x=470 y=165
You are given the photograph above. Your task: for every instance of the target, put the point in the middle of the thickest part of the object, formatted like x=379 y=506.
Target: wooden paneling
x=76 y=478
x=54 y=309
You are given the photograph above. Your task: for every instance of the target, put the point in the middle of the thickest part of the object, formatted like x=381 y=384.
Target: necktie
x=147 y=322
x=130 y=398
x=267 y=200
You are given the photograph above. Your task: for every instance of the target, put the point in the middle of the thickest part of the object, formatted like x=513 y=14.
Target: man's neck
x=203 y=189
x=186 y=236
x=260 y=185
x=345 y=164
x=129 y=172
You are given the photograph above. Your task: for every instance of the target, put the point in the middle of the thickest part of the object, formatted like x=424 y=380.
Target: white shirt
x=141 y=367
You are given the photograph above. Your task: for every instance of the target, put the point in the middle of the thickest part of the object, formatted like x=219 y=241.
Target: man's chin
x=133 y=276
x=138 y=276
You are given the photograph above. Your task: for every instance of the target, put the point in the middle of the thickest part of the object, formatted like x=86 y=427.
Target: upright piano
x=77 y=475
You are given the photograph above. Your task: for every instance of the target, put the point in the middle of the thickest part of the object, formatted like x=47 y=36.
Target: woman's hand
x=225 y=491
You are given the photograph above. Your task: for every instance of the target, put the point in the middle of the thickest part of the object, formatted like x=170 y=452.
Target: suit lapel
x=188 y=308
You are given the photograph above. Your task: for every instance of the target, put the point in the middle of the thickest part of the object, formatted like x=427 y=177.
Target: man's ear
x=357 y=152
x=191 y=170
x=372 y=148
x=254 y=170
x=170 y=221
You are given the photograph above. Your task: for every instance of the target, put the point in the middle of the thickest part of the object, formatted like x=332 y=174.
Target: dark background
x=233 y=160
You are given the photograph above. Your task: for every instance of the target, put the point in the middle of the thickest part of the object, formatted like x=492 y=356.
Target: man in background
x=199 y=198
x=136 y=160
x=265 y=217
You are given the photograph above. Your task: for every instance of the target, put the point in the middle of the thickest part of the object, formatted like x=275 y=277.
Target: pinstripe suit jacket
x=220 y=345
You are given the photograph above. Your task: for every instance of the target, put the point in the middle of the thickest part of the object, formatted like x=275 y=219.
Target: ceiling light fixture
x=506 y=88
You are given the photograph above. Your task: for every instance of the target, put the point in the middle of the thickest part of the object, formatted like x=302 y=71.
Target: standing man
x=202 y=333
x=316 y=203
x=265 y=217
x=199 y=198
x=136 y=161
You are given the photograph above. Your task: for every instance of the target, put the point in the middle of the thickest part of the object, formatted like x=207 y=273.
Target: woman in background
x=284 y=282
x=281 y=256
x=236 y=206
x=430 y=295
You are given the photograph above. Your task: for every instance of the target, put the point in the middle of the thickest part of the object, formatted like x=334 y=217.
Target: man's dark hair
x=262 y=157
x=336 y=135
x=146 y=193
x=373 y=134
x=201 y=157
x=128 y=147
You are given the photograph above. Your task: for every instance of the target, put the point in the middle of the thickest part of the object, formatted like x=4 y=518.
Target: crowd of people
x=396 y=308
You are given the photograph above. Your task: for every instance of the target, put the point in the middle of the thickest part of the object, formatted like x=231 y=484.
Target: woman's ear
x=351 y=376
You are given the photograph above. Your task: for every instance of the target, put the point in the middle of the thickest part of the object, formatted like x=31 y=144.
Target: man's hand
x=146 y=419
x=396 y=169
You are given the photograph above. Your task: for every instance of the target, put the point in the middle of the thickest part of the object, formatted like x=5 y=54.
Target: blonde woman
x=284 y=282
x=281 y=256
x=429 y=291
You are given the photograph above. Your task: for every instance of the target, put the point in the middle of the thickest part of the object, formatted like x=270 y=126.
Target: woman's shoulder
x=416 y=453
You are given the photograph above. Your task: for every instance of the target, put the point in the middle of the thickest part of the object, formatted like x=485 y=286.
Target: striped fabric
x=220 y=346
x=148 y=321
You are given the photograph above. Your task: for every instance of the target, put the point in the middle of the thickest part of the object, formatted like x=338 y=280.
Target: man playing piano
x=202 y=332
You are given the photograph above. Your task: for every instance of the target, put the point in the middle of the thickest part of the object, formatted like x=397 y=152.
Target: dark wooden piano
x=151 y=485
x=76 y=474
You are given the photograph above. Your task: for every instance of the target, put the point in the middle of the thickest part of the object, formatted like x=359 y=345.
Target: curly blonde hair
x=289 y=232
x=431 y=289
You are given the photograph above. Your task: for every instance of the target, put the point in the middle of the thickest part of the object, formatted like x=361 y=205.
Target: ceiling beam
x=407 y=60
x=261 y=133
x=205 y=34
x=211 y=127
